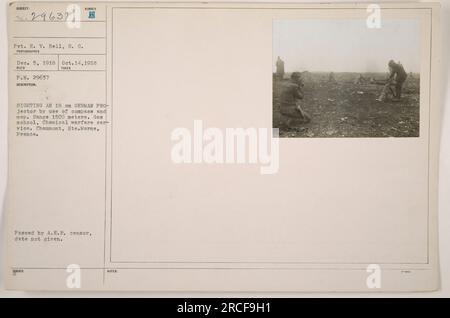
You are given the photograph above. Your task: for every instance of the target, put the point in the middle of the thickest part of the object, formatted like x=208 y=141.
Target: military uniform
x=289 y=100
x=398 y=73
x=280 y=68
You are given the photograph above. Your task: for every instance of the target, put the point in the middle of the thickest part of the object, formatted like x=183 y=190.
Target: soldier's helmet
x=391 y=63
x=296 y=76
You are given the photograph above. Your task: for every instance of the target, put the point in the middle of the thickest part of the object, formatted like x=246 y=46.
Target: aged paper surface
x=143 y=154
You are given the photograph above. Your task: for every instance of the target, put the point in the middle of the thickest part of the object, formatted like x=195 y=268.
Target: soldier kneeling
x=290 y=95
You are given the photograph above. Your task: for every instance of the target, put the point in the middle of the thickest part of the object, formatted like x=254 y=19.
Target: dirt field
x=347 y=109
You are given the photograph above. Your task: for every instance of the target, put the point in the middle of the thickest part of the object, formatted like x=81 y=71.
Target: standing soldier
x=397 y=77
x=280 y=68
x=290 y=95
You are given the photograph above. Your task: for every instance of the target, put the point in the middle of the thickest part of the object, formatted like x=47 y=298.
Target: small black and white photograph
x=340 y=78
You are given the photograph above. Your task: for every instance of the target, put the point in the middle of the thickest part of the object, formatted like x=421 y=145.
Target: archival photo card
x=159 y=147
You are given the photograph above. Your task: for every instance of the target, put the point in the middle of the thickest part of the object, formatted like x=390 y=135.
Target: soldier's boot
x=398 y=94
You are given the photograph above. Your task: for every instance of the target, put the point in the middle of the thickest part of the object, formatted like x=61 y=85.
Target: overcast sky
x=346 y=45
